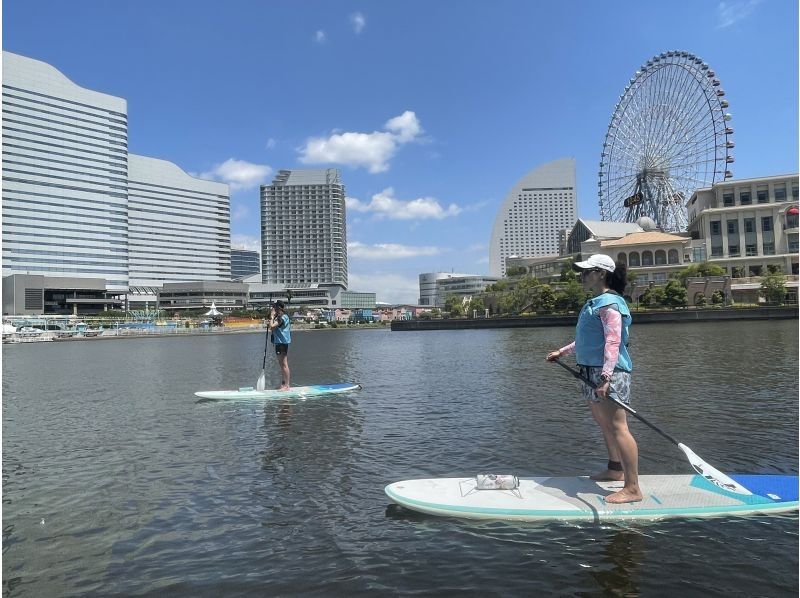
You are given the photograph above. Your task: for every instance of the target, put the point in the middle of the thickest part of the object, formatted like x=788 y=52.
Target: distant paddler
x=280 y=327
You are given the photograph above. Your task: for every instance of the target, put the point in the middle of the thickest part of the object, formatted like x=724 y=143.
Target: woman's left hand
x=602 y=389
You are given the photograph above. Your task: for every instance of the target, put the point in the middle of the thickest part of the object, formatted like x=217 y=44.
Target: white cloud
x=406 y=126
x=387 y=251
x=320 y=37
x=385 y=205
x=239 y=174
x=388 y=288
x=270 y=143
x=358 y=21
x=370 y=150
x=246 y=242
x=729 y=13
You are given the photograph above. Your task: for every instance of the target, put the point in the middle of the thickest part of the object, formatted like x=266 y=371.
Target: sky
x=432 y=110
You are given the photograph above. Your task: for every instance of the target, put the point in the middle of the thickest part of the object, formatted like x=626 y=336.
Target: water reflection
x=623 y=553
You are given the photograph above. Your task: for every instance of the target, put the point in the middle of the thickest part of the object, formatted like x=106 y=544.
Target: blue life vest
x=590 y=339
x=282 y=335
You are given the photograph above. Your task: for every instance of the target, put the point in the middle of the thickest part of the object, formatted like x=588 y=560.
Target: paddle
x=262 y=379
x=709 y=472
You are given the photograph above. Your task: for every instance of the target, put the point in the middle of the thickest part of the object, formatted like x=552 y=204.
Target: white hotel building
x=303 y=230
x=535 y=212
x=78 y=207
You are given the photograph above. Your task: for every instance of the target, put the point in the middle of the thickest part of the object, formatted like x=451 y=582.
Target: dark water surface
x=117 y=481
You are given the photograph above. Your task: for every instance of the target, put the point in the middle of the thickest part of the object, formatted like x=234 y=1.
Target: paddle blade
x=712 y=474
x=262 y=381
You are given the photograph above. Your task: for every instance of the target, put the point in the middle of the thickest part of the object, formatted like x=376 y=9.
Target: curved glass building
x=541 y=205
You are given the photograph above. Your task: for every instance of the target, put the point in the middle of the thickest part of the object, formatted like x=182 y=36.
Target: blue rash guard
x=590 y=340
x=282 y=335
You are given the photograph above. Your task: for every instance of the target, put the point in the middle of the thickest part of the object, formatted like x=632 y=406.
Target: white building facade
x=304 y=229
x=534 y=213
x=77 y=205
x=434 y=287
x=65 y=176
x=746 y=225
x=179 y=227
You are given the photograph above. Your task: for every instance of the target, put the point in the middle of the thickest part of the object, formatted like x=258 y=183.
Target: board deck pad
x=579 y=498
x=315 y=390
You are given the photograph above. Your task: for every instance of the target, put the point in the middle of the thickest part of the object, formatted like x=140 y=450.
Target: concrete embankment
x=641 y=317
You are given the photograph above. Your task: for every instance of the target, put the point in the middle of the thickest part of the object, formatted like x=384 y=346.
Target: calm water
x=117 y=481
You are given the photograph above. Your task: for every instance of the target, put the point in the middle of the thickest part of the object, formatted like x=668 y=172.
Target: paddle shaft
x=627 y=408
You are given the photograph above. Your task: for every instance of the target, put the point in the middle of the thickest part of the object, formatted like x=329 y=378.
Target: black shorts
x=282 y=349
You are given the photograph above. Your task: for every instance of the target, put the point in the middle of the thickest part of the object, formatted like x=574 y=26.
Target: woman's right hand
x=553 y=355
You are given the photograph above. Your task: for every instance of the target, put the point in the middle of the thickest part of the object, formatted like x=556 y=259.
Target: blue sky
x=432 y=110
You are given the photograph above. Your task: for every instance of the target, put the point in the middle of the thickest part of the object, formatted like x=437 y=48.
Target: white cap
x=598 y=260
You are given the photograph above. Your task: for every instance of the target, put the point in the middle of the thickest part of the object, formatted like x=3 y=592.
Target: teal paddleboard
x=250 y=393
x=579 y=498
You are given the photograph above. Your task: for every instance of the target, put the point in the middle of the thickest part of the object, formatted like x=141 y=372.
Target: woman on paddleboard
x=601 y=351
x=280 y=327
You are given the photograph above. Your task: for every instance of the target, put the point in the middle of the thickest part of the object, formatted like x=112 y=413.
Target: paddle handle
x=627 y=408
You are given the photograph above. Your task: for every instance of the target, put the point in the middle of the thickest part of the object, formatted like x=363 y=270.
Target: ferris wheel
x=669 y=136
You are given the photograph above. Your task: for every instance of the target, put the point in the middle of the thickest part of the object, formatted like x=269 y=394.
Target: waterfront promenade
x=640 y=317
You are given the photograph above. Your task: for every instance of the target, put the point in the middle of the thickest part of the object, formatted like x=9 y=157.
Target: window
x=673 y=256
x=791 y=220
x=745 y=199
x=766 y=223
x=737 y=272
x=769 y=247
x=755 y=271
x=733 y=251
x=794 y=191
x=716 y=251
x=727 y=199
x=634 y=258
x=749 y=225
x=622 y=258
x=716 y=227
x=780 y=192
x=661 y=257
x=793 y=245
x=750 y=249
x=647 y=258
x=762 y=195
x=660 y=277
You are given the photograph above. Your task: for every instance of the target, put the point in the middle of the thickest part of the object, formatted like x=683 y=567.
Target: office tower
x=537 y=208
x=179 y=226
x=65 y=176
x=244 y=263
x=303 y=229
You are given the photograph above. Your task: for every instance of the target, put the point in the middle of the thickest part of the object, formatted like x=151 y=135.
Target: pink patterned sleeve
x=612 y=328
x=568 y=349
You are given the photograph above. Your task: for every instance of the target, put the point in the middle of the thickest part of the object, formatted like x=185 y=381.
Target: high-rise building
x=76 y=205
x=541 y=205
x=303 y=229
x=65 y=176
x=244 y=263
x=179 y=226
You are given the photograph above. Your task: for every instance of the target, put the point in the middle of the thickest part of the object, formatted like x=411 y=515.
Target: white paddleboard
x=296 y=391
x=579 y=498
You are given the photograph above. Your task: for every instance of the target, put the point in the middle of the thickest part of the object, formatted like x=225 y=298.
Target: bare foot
x=284 y=388
x=608 y=475
x=625 y=495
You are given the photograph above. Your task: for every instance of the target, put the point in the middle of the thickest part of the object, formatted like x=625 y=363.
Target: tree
x=646 y=298
x=547 y=298
x=568 y=274
x=700 y=269
x=717 y=297
x=674 y=294
x=507 y=303
x=773 y=287
x=454 y=305
x=571 y=297
x=476 y=304
x=700 y=300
